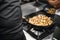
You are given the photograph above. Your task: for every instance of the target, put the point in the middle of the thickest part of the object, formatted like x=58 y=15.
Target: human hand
x=55 y=3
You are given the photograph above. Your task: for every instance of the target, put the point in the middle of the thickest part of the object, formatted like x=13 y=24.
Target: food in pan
x=40 y=20
x=51 y=11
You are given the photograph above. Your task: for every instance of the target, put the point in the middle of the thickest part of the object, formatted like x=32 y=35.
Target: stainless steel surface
x=29 y=8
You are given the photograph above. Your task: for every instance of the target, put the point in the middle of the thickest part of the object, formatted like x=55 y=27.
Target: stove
x=37 y=34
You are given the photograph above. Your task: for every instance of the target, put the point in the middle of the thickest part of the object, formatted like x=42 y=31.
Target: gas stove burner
x=38 y=34
x=36 y=4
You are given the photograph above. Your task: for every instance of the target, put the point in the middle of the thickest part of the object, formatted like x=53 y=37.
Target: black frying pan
x=35 y=26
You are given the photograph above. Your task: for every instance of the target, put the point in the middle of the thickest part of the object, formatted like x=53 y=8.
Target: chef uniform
x=56 y=35
x=11 y=20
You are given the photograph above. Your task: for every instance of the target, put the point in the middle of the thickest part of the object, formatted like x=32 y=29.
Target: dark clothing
x=57 y=33
x=57 y=29
x=15 y=36
x=57 y=19
x=10 y=18
x=43 y=1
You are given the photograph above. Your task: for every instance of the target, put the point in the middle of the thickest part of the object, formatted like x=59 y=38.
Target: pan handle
x=25 y=18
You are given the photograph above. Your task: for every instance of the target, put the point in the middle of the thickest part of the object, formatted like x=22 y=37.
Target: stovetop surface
x=39 y=35
x=33 y=33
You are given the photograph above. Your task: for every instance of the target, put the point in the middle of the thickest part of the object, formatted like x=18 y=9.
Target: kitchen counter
x=30 y=8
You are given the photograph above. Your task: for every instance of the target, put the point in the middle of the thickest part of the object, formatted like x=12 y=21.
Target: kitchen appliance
x=38 y=32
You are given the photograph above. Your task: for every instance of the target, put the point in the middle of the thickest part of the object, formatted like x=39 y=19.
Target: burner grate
x=36 y=33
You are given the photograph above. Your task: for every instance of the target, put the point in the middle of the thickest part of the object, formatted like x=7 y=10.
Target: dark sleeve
x=57 y=20
x=10 y=14
x=1 y=1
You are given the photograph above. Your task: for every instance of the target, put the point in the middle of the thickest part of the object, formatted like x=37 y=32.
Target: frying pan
x=26 y=19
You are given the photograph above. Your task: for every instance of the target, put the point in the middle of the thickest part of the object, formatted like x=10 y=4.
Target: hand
x=55 y=3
